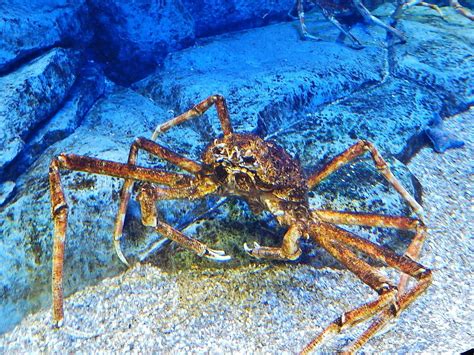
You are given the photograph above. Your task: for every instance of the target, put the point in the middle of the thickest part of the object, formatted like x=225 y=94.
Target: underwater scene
x=246 y=176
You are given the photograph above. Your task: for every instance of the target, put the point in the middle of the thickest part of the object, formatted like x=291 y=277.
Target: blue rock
x=442 y=139
x=133 y=37
x=266 y=74
x=89 y=86
x=28 y=28
x=30 y=95
x=438 y=55
x=213 y=16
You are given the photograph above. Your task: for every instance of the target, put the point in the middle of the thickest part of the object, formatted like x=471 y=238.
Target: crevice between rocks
x=30 y=56
x=88 y=87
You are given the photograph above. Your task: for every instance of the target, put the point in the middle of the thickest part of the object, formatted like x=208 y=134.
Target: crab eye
x=249 y=159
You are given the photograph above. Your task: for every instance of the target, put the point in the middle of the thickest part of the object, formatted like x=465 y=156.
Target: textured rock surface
x=135 y=36
x=266 y=74
x=30 y=27
x=449 y=72
x=213 y=16
x=30 y=95
x=89 y=86
x=376 y=114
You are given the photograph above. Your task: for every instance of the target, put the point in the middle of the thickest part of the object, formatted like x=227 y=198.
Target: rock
x=438 y=55
x=6 y=190
x=30 y=95
x=402 y=110
x=288 y=74
x=133 y=37
x=28 y=28
x=442 y=139
x=89 y=86
x=212 y=17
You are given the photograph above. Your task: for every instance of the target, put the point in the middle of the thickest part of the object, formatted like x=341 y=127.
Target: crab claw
x=118 y=250
x=216 y=255
x=250 y=250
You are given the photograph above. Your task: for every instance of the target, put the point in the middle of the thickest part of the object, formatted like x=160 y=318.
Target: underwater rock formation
x=448 y=71
x=28 y=28
x=88 y=87
x=263 y=87
x=213 y=16
x=133 y=37
x=31 y=95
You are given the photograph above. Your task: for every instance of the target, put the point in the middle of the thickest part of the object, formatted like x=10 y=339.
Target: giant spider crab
x=267 y=177
x=334 y=9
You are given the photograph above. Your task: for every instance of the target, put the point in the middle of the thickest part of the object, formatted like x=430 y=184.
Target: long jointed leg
x=368 y=219
x=352 y=153
x=335 y=241
x=289 y=249
x=304 y=31
x=59 y=207
x=372 y=220
x=199 y=110
x=405 y=298
x=368 y=274
x=411 y=3
x=376 y=21
x=155 y=149
x=190 y=243
x=460 y=9
x=387 y=256
x=148 y=196
x=330 y=17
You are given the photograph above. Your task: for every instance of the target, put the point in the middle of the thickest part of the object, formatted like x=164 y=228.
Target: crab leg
x=402 y=263
x=370 y=276
x=376 y=21
x=460 y=9
x=334 y=239
x=197 y=111
x=368 y=219
x=155 y=149
x=412 y=3
x=341 y=28
x=352 y=153
x=148 y=196
x=59 y=207
x=289 y=249
x=304 y=30
x=189 y=243
x=373 y=220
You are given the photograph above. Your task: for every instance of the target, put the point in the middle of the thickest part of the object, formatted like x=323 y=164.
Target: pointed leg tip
x=217 y=255
x=57 y=324
x=122 y=257
x=249 y=250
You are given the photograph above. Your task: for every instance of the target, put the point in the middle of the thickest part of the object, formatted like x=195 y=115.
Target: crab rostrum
x=268 y=178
